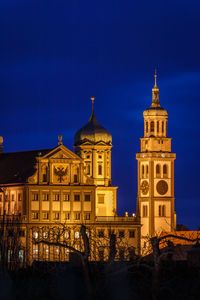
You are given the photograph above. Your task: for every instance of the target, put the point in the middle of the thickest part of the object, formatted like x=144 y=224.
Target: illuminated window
x=100 y=199
x=152 y=126
x=66 y=197
x=100 y=169
x=45 y=197
x=162 y=126
x=35 y=196
x=35 y=251
x=56 y=197
x=88 y=169
x=56 y=252
x=56 y=215
x=87 y=197
x=35 y=215
x=67 y=215
x=157 y=170
x=45 y=215
x=165 y=170
x=77 y=235
x=87 y=216
x=131 y=233
x=157 y=126
x=35 y=234
x=67 y=235
x=75 y=178
x=10 y=256
x=147 y=170
x=77 y=197
x=46 y=252
x=77 y=216
x=162 y=211
x=146 y=127
x=19 y=197
x=21 y=256
x=145 y=210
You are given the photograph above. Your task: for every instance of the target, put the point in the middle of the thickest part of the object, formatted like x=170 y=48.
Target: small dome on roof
x=92 y=132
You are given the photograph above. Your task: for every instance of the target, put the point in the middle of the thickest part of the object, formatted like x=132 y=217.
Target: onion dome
x=155 y=109
x=92 y=132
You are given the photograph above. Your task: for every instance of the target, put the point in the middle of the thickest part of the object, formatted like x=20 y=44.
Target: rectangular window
x=101 y=199
x=145 y=210
x=77 y=235
x=45 y=197
x=35 y=251
x=19 y=197
x=77 y=197
x=101 y=254
x=75 y=178
x=87 y=197
x=66 y=197
x=35 y=215
x=21 y=256
x=121 y=233
x=35 y=196
x=101 y=233
x=13 y=197
x=46 y=252
x=131 y=233
x=56 y=252
x=77 y=216
x=56 y=215
x=45 y=215
x=67 y=235
x=56 y=197
x=87 y=216
x=1 y=198
x=99 y=169
x=67 y=216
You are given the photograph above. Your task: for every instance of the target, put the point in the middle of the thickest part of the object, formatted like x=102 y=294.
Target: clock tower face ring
x=162 y=187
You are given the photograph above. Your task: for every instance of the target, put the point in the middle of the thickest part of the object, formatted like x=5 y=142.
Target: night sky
x=55 y=55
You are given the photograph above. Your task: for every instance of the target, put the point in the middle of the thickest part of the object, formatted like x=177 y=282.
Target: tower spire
x=155 y=93
x=92 y=98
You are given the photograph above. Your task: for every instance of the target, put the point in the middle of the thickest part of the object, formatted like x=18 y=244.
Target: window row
x=66 y=235
x=121 y=254
x=161 y=211
x=120 y=233
x=56 y=215
x=164 y=170
x=11 y=198
x=57 y=197
x=158 y=125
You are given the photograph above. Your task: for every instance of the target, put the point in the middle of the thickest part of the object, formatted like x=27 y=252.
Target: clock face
x=162 y=187
x=144 y=187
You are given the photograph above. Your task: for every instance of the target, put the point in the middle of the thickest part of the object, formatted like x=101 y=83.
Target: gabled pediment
x=61 y=152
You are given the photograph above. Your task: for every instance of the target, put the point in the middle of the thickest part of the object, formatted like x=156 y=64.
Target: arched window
x=162 y=126
x=147 y=170
x=165 y=171
x=142 y=170
x=88 y=169
x=100 y=169
x=157 y=126
x=147 y=127
x=157 y=170
x=152 y=126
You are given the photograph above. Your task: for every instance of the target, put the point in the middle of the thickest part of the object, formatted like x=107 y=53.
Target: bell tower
x=156 y=172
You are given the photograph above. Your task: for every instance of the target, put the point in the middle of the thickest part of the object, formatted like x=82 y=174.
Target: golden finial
x=155 y=76
x=92 y=98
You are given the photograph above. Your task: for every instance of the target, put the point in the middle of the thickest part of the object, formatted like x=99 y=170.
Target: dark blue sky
x=55 y=55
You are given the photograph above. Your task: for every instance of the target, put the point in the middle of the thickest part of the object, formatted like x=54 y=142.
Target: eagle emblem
x=60 y=172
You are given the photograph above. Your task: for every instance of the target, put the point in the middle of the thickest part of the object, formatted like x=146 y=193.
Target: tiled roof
x=16 y=167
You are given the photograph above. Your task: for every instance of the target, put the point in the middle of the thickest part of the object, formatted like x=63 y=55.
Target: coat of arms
x=60 y=172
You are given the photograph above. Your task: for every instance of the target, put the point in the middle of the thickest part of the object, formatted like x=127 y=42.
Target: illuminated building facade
x=53 y=191
x=156 y=172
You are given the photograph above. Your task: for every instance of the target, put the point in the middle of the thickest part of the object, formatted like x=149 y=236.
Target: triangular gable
x=61 y=152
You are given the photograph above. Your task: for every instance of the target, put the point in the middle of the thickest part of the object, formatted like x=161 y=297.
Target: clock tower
x=156 y=172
